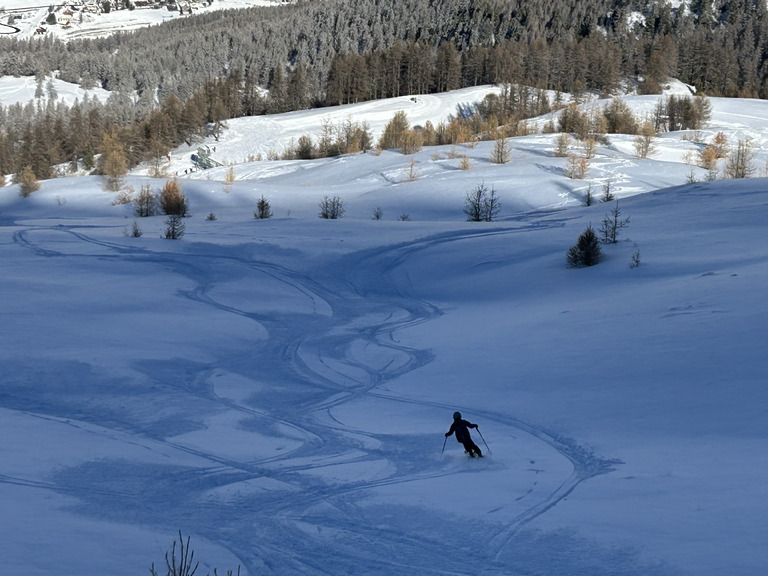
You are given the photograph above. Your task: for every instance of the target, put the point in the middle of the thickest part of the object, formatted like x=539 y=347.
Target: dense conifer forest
x=172 y=82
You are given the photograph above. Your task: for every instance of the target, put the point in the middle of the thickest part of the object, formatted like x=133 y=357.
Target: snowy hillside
x=279 y=389
x=26 y=89
x=89 y=20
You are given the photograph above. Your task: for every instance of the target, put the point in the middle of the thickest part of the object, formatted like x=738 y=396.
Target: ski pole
x=444 y=441
x=484 y=442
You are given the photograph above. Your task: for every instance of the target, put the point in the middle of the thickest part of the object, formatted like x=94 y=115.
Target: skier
x=461 y=428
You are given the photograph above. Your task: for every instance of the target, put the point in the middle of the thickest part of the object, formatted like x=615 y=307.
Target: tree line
x=721 y=46
x=173 y=83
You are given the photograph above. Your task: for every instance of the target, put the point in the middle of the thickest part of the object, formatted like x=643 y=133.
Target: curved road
x=13 y=29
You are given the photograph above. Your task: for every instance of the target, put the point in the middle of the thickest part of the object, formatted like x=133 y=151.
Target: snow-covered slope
x=258 y=136
x=279 y=389
x=24 y=89
x=88 y=20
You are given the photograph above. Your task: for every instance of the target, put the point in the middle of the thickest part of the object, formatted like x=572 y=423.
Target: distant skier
x=461 y=428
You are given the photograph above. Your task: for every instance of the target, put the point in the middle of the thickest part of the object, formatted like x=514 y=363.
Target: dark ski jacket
x=460 y=428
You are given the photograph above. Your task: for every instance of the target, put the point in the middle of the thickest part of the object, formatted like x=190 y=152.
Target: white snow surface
x=22 y=91
x=278 y=389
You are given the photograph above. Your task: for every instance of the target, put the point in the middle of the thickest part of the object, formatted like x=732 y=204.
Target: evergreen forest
x=175 y=82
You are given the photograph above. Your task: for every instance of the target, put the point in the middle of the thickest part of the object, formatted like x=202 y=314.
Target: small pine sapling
x=501 y=150
x=589 y=197
x=263 y=209
x=562 y=143
x=145 y=204
x=577 y=167
x=229 y=178
x=174 y=227
x=586 y=251
x=644 y=140
x=135 y=231
x=413 y=173
x=739 y=163
x=612 y=225
x=608 y=195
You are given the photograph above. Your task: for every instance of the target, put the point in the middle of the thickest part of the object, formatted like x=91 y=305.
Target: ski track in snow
x=277 y=518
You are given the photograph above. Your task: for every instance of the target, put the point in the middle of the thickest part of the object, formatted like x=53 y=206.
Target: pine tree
x=589 y=197
x=562 y=142
x=174 y=227
x=620 y=118
x=296 y=96
x=739 y=162
x=172 y=199
x=447 y=67
x=28 y=182
x=501 y=152
x=644 y=140
x=192 y=119
x=263 y=209
x=145 y=203
x=339 y=81
x=395 y=131
x=278 y=92
x=113 y=162
x=612 y=225
x=253 y=100
x=44 y=151
x=586 y=251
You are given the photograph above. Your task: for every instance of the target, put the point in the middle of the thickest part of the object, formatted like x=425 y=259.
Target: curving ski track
x=312 y=527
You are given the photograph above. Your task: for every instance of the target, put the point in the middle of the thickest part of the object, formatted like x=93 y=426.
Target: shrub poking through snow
x=482 y=204
x=185 y=564
x=135 y=231
x=331 y=208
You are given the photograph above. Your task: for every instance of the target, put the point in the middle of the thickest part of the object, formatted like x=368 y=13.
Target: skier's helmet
x=457 y=415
